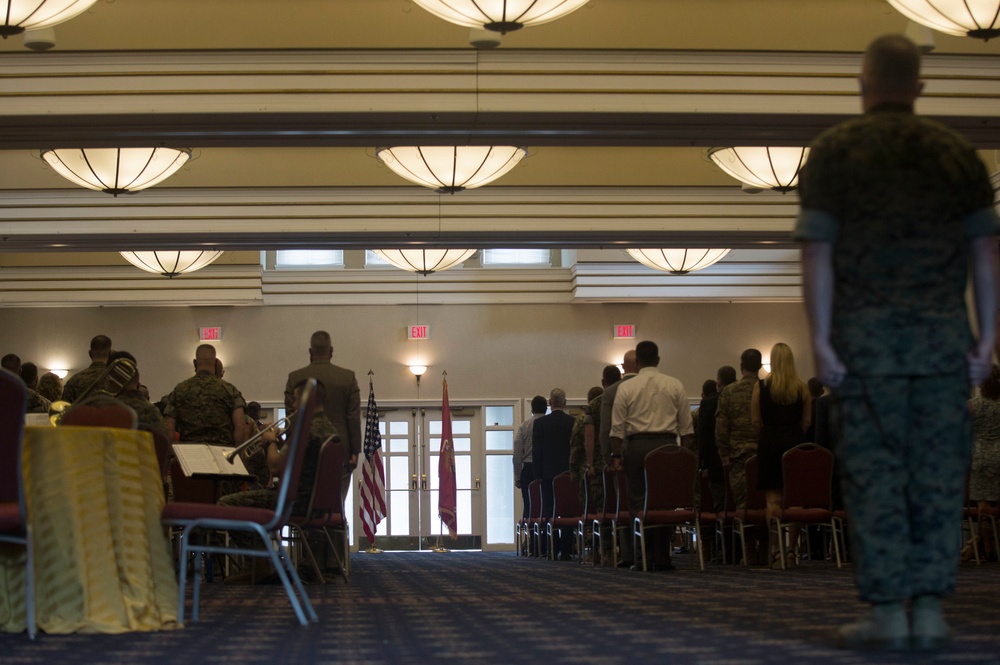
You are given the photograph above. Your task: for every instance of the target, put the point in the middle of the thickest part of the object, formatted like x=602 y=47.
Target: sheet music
x=196 y=458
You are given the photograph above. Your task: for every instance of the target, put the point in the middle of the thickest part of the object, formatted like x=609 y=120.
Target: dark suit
x=550 y=456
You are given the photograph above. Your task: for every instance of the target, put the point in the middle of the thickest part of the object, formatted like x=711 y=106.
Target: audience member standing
x=650 y=411
x=524 y=469
x=604 y=440
x=550 y=450
x=708 y=452
x=100 y=349
x=780 y=409
x=984 y=476
x=206 y=408
x=896 y=209
x=735 y=435
x=148 y=417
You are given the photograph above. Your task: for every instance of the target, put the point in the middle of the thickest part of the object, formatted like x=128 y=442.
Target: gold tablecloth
x=102 y=561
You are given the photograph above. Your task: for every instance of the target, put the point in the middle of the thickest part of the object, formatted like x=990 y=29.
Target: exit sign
x=625 y=331
x=418 y=332
x=211 y=334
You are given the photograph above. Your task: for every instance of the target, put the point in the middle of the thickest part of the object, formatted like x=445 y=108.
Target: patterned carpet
x=475 y=607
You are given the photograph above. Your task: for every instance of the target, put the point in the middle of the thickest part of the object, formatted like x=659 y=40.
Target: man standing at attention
x=650 y=411
x=205 y=408
x=342 y=404
x=604 y=442
x=735 y=435
x=550 y=450
x=524 y=471
x=100 y=349
x=895 y=210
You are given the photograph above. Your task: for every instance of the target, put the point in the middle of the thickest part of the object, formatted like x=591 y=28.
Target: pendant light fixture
x=21 y=15
x=116 y=170
x=450 y=169
x=171 y=263
x=762 y=167
x=677 y=261
x=425 y=261
x=500 y=15
x=979 y=19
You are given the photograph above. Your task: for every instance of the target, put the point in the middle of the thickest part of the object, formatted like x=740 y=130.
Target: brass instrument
x=253 y=445
x=112 y=382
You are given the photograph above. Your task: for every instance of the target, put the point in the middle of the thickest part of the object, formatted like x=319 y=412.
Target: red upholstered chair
x=724 y=521
x=326 y=508
x=602 y=517
x=100 y=411
x=163 y=450
x=14 y=526
x=671 y=472
x=535 y=519
x=566 y=508
x=621 y=519
x=523 y=527
x=267 y=524
x=755 y=513
x=806 y=495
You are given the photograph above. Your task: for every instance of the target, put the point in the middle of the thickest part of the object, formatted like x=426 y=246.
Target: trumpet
x=112 y=383
x=253 y=444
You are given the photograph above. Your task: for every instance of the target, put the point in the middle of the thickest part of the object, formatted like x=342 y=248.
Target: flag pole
x=373 y=502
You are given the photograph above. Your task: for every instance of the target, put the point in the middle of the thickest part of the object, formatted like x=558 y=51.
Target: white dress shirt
x=651 y=402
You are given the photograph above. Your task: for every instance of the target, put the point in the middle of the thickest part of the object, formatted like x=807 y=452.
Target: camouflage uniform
x=320 y=430
x=149 y=417
x=79 y=382
x=202 y=407
x=591 y=415
x=36 y=403
x=900 y=197
x=735 y=434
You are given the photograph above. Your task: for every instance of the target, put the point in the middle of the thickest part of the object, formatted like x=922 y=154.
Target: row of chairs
x=678 y=496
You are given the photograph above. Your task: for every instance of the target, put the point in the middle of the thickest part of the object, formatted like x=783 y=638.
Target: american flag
x=372 y=473
x=447 y=496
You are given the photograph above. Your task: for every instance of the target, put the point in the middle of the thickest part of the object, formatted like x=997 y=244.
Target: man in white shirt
x=650 y=410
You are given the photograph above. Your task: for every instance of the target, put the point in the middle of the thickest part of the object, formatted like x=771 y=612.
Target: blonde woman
x=781 y=410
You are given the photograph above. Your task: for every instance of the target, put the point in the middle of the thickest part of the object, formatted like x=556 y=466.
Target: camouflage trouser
x=252 y=499
x=738 y=478
x=905 y=453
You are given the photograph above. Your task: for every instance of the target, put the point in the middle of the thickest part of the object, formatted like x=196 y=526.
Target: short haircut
x=647 y=353
x=100 y=344
x=253 y=409
x=538 y=404
x=118 y=355
x=726 y=375
x=594 y=392
x=611 y=374
x=11 y=362
x=557 y=397
x=320 y=343
x=709 y=387
x=815 y=386
x=750 y=360
x=892 y=63
x=29 y=373
x=205 y=352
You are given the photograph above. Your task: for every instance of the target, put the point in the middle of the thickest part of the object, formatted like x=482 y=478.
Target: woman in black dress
x=781 y=411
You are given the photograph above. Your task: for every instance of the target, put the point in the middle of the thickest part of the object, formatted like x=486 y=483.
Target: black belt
x=648 y=436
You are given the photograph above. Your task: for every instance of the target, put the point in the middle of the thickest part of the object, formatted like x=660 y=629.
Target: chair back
x=100 y=411
x=756 y=498
x=13 y=401
x=535 y=500
x=621 y=494
x=325 y=501
x=808 y=472
x=162 y=445
x=610 y=495
x=670 y=478
x=297 y=444
x=565 y=497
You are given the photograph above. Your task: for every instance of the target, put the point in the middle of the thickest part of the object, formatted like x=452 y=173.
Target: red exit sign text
x=418 y=332
x=212 y=334
x=625 y=331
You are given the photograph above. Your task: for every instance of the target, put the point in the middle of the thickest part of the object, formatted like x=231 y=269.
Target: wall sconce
x=61 y=373
x=418 y=371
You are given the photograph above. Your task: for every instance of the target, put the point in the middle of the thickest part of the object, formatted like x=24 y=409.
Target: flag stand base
x=438 y=548
x=373 y=550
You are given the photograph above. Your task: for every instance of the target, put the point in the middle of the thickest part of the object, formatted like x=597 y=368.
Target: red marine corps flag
x=372 y=474
x=447 y=491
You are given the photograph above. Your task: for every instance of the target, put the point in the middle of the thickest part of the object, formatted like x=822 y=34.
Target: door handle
x=477 y=484
x=413 y=482
x=423 y=481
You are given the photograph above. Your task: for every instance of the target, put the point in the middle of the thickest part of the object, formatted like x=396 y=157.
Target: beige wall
x=489 y=351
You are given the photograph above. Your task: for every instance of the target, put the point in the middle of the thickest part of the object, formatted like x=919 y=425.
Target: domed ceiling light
x=762 y=167
x=979 y=19
x=500 y=15
x=425 y=261
x=116 y=170
x=677 y=261
x=450 y=169
x=171 y=263
x=21 y=15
